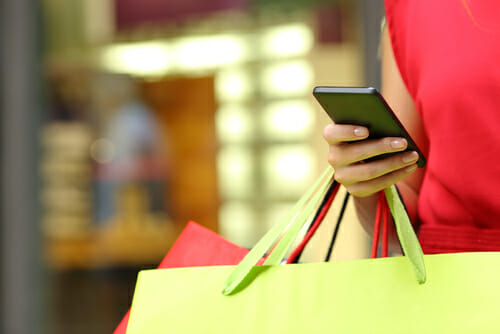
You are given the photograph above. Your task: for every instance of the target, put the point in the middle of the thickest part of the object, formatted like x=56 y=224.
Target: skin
x=347 y=150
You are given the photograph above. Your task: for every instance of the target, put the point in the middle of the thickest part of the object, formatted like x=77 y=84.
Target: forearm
x=366 y=208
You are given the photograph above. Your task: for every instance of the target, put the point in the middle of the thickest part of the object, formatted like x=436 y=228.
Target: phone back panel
x=365 y=107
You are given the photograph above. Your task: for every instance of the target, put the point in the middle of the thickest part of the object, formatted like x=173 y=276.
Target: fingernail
x=360 y=132
x=398 y=143
x=411 y=169
x=410 y=157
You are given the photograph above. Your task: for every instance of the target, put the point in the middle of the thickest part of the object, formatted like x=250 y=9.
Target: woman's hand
x=347 y=154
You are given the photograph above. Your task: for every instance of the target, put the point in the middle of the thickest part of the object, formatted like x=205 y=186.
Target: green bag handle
x=296 y=216
x=279 y=252
x=299 y=215
x=406 y=234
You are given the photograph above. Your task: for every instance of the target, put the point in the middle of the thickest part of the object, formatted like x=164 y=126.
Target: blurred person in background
x=440 y=75
x=131 y=170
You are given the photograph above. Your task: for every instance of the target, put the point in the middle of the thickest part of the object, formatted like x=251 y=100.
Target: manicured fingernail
x=410 y=157
x=398 y=143
x=360 y=132
x=411 y=169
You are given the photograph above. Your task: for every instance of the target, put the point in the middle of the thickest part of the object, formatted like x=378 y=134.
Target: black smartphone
x=366 y=107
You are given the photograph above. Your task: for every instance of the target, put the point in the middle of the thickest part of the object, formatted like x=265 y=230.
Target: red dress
x=448 y=53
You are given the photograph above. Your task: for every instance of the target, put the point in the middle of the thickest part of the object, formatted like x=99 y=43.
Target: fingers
x=348 y=150
x=338 y=133
x=366 y=188
x=357 y=173
x=344 y=154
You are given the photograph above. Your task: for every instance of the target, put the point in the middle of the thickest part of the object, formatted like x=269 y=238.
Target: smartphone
x=366 y=107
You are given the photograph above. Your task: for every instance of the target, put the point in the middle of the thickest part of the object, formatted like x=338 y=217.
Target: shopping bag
x=414 y=293
x=196 y=246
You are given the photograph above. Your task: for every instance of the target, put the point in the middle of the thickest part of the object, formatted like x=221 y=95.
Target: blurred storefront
x=160 y=112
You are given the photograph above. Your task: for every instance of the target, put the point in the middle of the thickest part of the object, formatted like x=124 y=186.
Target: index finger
x=338 y=133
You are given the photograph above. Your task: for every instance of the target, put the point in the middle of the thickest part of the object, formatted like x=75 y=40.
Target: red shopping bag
x=196 y=246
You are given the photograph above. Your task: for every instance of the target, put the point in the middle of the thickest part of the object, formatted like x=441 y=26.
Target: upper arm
x=395 y=92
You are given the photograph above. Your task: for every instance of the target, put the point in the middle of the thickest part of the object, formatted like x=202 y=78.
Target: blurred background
x=121 y=120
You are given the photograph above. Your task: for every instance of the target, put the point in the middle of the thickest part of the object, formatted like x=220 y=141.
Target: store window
x=152 y=125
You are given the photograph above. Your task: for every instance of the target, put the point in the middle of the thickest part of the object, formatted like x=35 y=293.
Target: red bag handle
x=381 y=217
x=323 y=210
